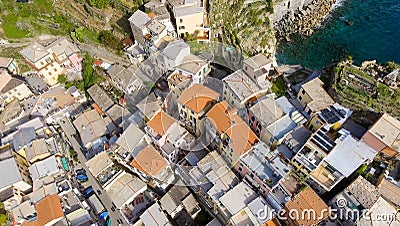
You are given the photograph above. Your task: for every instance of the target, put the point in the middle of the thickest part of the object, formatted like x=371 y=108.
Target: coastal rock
x=304 y=19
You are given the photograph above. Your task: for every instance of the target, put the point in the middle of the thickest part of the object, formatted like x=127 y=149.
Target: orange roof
x=149 y=161
x=47 y=209
x=152 y=15
x=98 y=62
x=127 y=41
x=98 y=109
x=241 y=136
x=308 y=200
x=384 y=135
x=272 y=222
x=220 y=115
x=161 y=122
x=197 y=97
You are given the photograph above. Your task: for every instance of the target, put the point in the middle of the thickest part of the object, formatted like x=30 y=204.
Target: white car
x=4 y=42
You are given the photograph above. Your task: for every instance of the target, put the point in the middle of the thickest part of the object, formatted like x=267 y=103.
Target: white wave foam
x=337 y=4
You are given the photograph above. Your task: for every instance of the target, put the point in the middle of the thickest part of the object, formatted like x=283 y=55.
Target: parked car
x=82 y=177
x=80 y=171
x=88 y=192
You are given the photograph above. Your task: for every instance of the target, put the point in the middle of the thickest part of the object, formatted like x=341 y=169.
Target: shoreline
x=305 y=20
x=338 y=4
x=371 y=34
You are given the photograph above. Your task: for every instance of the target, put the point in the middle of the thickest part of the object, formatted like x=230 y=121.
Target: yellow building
x=193 y=104
x=48 y=60
x=313 y=97
x=333 y=116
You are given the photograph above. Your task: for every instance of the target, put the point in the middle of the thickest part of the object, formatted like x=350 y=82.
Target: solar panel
x=329 y=115
x=323 y=141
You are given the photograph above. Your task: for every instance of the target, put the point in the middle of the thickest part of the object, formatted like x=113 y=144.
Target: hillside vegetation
x=244 y=24
x=359 y=89
x=56 y=17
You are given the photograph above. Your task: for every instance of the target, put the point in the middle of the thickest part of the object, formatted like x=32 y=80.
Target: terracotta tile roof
x=48 y=209
x=197 y=97
x=149 y=161
x=272 y=222
x=385 y=132
x=308 y=200
x=97 y=62
x=152 y=15
x=241 y=136
x=220 y=115
x=127 y=42
x=161 y=122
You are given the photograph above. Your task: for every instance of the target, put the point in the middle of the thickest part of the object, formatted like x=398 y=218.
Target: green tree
x=108 y=39
x=62 y=79
x=89 y=75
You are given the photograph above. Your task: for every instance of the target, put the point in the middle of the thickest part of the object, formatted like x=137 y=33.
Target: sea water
x=363 y=29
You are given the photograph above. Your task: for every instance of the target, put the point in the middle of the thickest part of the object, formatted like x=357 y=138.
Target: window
x=181 y=20
x=271 y=140
x=240 y=169
x=181 y=27
x=303 y=92
x=300 y=97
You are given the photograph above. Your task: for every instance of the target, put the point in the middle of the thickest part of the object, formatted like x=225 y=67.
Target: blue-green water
x=374 y=34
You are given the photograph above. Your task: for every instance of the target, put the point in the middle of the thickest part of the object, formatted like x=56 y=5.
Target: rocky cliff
x=244 y=24
x=302 y=20
x=255 y=25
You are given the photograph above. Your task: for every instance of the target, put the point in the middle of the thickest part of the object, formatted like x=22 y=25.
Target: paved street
x=70 y=131
x=104 y=54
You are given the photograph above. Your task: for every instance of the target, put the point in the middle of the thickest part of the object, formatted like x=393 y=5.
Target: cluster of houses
x=36 y=186
x=241 y=149
x=188 y=141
